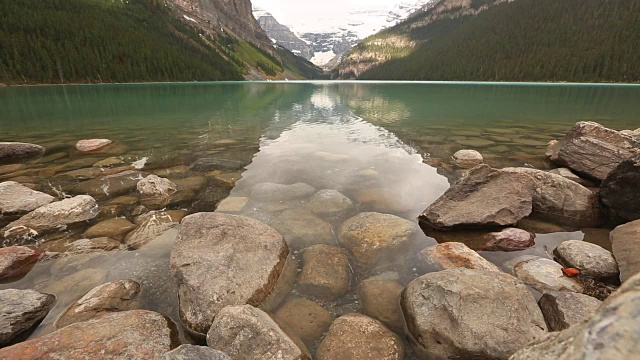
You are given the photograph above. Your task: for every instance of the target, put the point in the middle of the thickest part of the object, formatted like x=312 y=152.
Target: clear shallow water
x=385 y=146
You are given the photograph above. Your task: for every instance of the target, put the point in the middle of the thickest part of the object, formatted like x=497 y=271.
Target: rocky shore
x=297 y=271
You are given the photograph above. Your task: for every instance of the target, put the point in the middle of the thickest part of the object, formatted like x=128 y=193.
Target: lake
x=385 y=146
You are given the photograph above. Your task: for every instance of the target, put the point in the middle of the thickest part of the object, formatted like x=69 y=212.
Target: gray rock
x=613 y=333
x=194 y=352
x=380 y=299
x=51 y=217
x=509 y=239
x=560 y=200
x=485 y=197
x=17 y=261
x=117 y=295
x=625 y=244
x=330 y=204
x=620 y=191
x=372 y=237
x=470 y=314
x=136 y=334
x=545 y=275
x=16 y=152
x=359 y=337
x=155 y=192
x=16 y=199
x=326 y=273
x=562 y=310
x=248 y=333
x=568 y=174
x=593 y=150
x=211 y=164
x=304 y=318
x=453 y=255
x=302 y=228
x=20 y=310
x=591 y=259
x=467 y=159
x=109 y=186
x=278 y=192
x=220 y=260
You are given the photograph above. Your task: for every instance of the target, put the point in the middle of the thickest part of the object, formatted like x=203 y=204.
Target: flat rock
x=113 y=228
x=372 y=237
x=232 y=204
x=620 y=191
x=226 y=180
x=248 y=333
x=101 y=243
x=92 y=144
x=560 y=200
x=8 y=169
x=16 y=152
x=509 y=239
x=593 y=150
x=279 y=192
x=485 y=197
x=467 y=159
x=302 y=228
x=57 y=215
x=151 y=227
x=194 y=352
x=326 y=273
x=17 y=261
x=380 y=299
x=470 y=314
x=109 y=186
x=625 y=244
x=137 y=334
x=453 y=255
x=17 y=199
x=219 y=260
x=117 y=295
x=545 y=275
x=359 y=337
x=109 y=162
x=330 y=204
x=591 y=259
x=562 y=310
x=211 y=164
x=304 y=318
x=155 y=192
x=20 y=310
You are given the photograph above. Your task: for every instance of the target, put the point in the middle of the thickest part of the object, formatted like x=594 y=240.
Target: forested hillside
x=92 y=41
x=523 y=40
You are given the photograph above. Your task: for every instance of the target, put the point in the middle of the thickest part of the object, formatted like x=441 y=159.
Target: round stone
x=591 y=259
x=466 y=159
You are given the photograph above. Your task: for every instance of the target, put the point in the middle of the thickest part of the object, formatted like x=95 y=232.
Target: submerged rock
x=101 y=243
x=112 y=228
x=591 y=259
x=194 y=352
x=326 y=273
x=304 y=318
x=625 y=243
x=16 y=152
x=470 y=314
x=138 y=334
x=152 y=226
x=109 y=186
x=17 y=261
x=562 y=310
x=17 y=199
x=359 y=337
x=92 y=144
x=20 y=310
x=54 y=216
x=620 y=191
x=545 y=275
x=248 y=333
x=221 y=260
x=485 y=197
x=454 y=255
x=232 y=204
x=372 y=237
x=118 y=295
x=278 y=192
x=208 y=198
x=330 y=204
x=467 y=159
x=380 y=299
x=302 y=228
x=155 y=192
x=211 y=164
x=593 y=150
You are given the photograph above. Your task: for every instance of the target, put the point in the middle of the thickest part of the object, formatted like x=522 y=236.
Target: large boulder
x=155 y=192
x=591 y=259
x=470 y=314
x=613 y=333
x=20 y=310
x=194 y=352
x=625 y=244
x=453 y=255
x=17 y=261
x=117 y=295
x=593 y=150
x=560 y=200
x=545 y=275
x=620 y=191
x=563 y=309
x=359 y=337
x=248 y=333
x=138 y=334
x=51 y=217
x=326 y=272
x=219 y=260
x=485 y=197
x=17 y=199
x=372 y=237
x=16 y=152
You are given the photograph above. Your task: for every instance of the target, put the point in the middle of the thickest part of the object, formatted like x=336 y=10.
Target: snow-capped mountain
x=333 y=31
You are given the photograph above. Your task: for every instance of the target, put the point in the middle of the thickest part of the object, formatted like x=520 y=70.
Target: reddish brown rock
x=17 y=261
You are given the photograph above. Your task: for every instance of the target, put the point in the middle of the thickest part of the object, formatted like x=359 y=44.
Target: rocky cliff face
x=283 y=36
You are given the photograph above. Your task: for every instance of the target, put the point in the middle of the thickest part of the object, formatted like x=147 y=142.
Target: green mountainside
x=93 y=41
x=522 y=40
